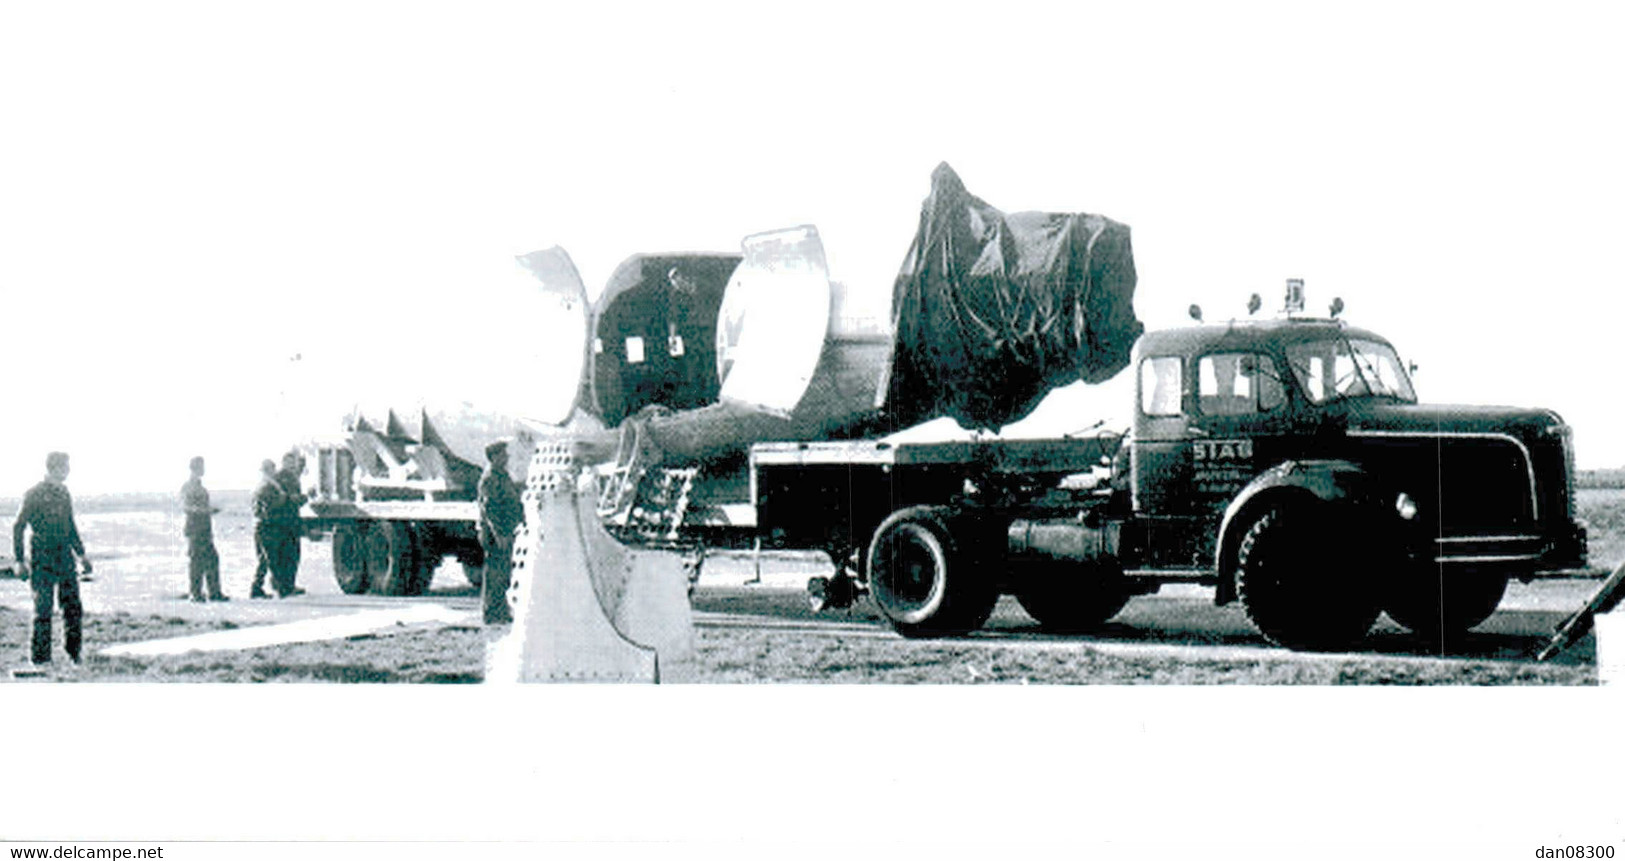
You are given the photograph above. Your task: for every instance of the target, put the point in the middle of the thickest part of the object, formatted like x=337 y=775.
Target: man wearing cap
x=287 y=526
x=500 y=514
x=267 y=506
x=199 y=531
x=47 y=514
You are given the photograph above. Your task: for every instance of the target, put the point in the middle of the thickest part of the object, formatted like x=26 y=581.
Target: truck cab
x=1316 y=422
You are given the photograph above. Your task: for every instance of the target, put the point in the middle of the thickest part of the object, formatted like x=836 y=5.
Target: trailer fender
x=1336 y=482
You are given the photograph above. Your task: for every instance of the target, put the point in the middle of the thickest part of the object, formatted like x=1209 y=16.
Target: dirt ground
x=453 y=654
x=141 y=580
x=753 y=656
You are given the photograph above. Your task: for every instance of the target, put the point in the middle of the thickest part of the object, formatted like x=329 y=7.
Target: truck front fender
x=1337 y=482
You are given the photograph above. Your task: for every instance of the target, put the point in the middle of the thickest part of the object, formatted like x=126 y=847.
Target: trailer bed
x=1060 y=456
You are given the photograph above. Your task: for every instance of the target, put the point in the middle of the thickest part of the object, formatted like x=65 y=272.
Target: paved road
x=1184 y=615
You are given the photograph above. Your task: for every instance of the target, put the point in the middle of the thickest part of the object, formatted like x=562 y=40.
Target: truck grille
x=1483 y=486
x=1468 y=483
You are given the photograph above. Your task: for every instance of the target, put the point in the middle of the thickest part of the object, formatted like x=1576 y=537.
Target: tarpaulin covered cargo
x=991 y=311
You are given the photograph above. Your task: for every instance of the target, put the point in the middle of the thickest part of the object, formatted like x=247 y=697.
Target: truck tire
x=1068 y=597
x=350 y=559
x=923 y=576
x=1303 y=582
x=390 y=558
x=1440 y=605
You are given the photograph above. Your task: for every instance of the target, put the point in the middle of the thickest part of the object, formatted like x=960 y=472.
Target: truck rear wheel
x=923 y=577
x=391 y=558
x=1074 y=596
x=1442 y=604
x=1303 y=582
x=350 y=559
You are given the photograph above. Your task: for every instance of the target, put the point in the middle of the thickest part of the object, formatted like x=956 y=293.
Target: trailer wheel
x=923 y=576
x=1071 y=597
x=1303 y=582
x=1439 y=605
x=423 y=571
x=390 y=558
x=473 y=562
x=350 y=559
x=422 y=575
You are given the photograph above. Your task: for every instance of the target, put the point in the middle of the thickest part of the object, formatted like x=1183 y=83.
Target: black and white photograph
x=715 y=429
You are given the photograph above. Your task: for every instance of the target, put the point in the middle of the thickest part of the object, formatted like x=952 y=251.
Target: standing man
x=199 y=532
x=500 y=514
x=47 y=513
x=267 y=508
x=293 y=465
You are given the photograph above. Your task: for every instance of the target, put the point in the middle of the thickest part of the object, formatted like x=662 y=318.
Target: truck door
x=1161 y=459
x=1238 y=425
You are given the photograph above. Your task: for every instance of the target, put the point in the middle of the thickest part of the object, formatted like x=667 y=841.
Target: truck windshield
x=1337 y=368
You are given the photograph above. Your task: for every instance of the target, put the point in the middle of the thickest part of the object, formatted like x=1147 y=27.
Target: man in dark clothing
x=47 y=514
x=287 y=526
x=500 y=514
x=199 y=531
x=267 y=504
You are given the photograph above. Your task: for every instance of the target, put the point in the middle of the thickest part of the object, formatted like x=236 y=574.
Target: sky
x=226 y=227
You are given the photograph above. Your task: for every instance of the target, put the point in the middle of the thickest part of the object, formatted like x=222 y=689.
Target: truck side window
x=1160 y=386
x=1231 y=384
x=1315 y=378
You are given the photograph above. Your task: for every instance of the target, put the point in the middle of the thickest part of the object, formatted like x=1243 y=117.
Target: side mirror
x=1196 y=313
x=1337 y=306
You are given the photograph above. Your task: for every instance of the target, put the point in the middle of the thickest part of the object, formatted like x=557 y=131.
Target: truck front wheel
x=1304 y=582
x=923 y=576
x=1438 y=605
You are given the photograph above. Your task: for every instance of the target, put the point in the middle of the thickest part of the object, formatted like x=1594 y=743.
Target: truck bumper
x=1521 y=552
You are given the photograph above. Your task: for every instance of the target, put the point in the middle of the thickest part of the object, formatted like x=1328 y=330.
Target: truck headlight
x=1406 y=506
